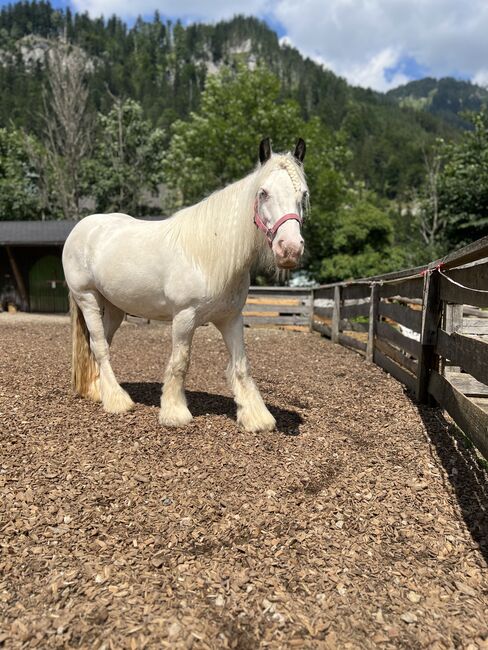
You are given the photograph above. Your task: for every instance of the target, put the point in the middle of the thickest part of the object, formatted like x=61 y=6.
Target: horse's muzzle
x=288 y=254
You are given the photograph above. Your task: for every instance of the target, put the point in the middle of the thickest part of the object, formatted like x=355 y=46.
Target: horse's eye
x=263 y=195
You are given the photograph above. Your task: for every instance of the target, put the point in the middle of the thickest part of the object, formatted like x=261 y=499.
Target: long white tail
x=84 y=369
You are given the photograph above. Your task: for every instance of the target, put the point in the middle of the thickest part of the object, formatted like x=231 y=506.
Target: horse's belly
x=147 y=285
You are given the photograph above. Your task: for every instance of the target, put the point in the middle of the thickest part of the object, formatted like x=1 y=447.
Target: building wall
x=41 y=271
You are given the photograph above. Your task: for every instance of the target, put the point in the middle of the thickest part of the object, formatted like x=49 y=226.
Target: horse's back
x=87 y=236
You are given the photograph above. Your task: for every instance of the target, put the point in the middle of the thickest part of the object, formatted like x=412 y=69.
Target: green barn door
x=47 y=288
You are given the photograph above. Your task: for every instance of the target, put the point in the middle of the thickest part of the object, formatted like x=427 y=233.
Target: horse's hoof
x=255 y=424
x=175 y=417
x=117 y=402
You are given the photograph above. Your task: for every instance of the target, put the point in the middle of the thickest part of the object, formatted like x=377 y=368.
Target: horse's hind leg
x=114 y=398
x=174 y=411
x=252 y=413
x=112 y=319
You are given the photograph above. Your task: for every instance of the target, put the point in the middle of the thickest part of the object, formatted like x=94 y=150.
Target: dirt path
x=357 y=525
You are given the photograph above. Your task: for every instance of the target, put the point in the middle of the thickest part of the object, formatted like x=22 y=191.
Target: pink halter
x=271 y=232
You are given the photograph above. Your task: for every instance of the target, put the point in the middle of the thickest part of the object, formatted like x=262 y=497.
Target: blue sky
x=372 y=43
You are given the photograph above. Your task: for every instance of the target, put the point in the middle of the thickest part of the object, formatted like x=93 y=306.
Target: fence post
x=431 y=318
x=336 y=314
x=373 y=320
x=311 y=307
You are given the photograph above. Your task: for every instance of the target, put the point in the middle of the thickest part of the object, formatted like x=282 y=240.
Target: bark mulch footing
x=360 y=523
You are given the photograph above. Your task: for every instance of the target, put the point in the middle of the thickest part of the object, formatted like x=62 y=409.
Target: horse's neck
x=219 y=235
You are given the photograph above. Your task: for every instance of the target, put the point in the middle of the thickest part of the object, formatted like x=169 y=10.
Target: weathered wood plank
x=278 y=309
x=373 y=321
x=470 y=253
x=275 y=320
x=397 y=355
x=468 y=385
x=323 y=293
x=467 y=415
x=481 y=402
x=474 y=276
x=273 y=300
x=395 y=370
x=431 y=320
x=401 y=314
x=353 y=311
x=468 y=353
x=336 y=314
x=452 y=322
x=397 y=338
x=324 y=312
x=323 y=329
x=351 y=342
x=355 y=291
x=452 y=293
x=477 y=326
x=298 y=291
x=406 y=289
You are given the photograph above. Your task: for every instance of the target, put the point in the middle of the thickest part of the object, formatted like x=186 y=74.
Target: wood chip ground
x=360 y=523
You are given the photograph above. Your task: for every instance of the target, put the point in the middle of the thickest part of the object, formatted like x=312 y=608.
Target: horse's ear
x=264 y=150
x=300 y=150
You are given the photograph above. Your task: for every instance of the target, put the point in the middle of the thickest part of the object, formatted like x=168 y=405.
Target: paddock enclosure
x=359 y=523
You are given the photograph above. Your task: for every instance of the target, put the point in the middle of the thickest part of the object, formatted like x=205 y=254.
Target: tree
x=19 y=194
x=361 y=242
x=218 y=144
x=128 y=159
x=68 y=126
x=327 y=157
x=463 y=186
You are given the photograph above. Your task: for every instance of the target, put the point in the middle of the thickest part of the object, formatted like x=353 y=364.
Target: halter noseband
x=271 y=232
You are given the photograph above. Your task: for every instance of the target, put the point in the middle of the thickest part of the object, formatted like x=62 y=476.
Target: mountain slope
x=164 y=66
x=447 y=98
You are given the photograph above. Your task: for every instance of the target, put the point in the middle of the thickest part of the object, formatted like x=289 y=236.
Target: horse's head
x=280 y=203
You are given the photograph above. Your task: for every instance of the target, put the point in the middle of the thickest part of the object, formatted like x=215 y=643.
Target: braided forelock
x=291 y=168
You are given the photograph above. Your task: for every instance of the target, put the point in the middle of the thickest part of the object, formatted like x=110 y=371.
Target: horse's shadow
x=203 y=403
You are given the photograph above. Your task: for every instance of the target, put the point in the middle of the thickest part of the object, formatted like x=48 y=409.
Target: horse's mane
x=219 y=235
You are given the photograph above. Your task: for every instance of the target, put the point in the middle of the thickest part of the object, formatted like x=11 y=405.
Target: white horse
x=192 y=268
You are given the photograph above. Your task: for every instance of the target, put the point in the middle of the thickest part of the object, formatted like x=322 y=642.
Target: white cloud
x=359 y=37
x=194 y=9
x=481 y=78
x=362 y=40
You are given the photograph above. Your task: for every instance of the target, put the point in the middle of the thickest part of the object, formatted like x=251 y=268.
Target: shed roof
x=39 y=233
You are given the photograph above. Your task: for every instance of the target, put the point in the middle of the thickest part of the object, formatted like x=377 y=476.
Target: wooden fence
x=284 y=306
x=426 y=327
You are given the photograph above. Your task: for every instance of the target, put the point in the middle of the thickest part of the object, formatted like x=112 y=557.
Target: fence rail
x=426 y=327
x=284 y=306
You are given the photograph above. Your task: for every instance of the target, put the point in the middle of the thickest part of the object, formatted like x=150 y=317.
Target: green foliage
x=19 y=196
x=165 y=66
x=218 y=145
x=365 y=151
x=127 y=159
x=360 y=243
x=463 y=186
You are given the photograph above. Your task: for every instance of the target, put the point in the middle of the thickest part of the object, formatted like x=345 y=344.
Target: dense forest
x=140 y=96
x=164 y=66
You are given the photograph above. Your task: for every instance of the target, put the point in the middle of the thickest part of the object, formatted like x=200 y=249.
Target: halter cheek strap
x=271 y=232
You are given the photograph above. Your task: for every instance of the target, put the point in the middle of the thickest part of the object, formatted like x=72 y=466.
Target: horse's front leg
x=252 y=413
x=174 y=411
